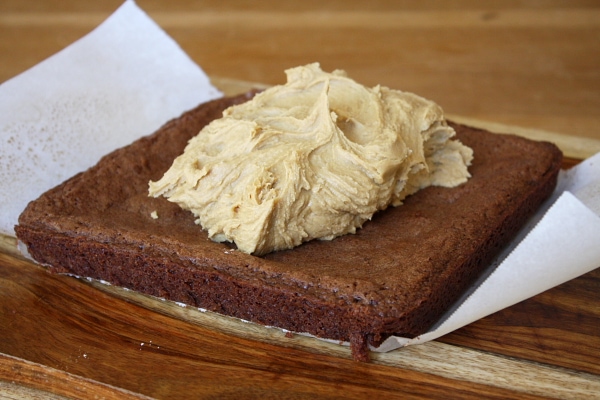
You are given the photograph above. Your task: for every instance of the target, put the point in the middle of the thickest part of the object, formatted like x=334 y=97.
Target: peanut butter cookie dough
x=312 y=159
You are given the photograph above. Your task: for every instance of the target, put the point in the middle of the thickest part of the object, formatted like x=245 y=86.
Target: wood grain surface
x=158 y=348
x=526 y=66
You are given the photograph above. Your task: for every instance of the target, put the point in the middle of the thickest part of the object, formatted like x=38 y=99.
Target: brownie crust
x=395 y=276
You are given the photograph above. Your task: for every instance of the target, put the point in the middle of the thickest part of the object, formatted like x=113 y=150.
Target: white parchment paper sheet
x=563 y=245
x=120 y=82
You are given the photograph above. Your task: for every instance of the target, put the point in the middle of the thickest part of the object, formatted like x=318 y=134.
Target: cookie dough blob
x=312 y=159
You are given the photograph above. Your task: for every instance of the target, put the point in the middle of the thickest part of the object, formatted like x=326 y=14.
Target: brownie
x=395 y=276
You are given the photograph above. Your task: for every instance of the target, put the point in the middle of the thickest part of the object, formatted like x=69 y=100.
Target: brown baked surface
x=397 y=275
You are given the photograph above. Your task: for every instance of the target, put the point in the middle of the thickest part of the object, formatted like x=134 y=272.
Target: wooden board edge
x=22 y=379
x=8 y=245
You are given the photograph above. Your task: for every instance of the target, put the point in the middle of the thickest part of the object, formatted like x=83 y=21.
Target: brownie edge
x=396 y=276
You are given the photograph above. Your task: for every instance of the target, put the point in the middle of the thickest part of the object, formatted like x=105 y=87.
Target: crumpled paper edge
x=128 y=58
x=553 y=239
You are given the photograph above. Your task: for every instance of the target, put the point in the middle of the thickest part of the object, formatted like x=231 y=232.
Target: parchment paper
x=121 y=81
x=560 y=243
x=127 y=77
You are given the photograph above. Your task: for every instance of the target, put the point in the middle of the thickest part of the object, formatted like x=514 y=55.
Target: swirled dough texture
x=312 y=159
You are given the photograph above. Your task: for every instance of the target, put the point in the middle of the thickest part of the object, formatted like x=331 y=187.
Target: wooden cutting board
x=65 y=336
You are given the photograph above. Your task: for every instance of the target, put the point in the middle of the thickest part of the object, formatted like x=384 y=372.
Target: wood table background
x=531 y=64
